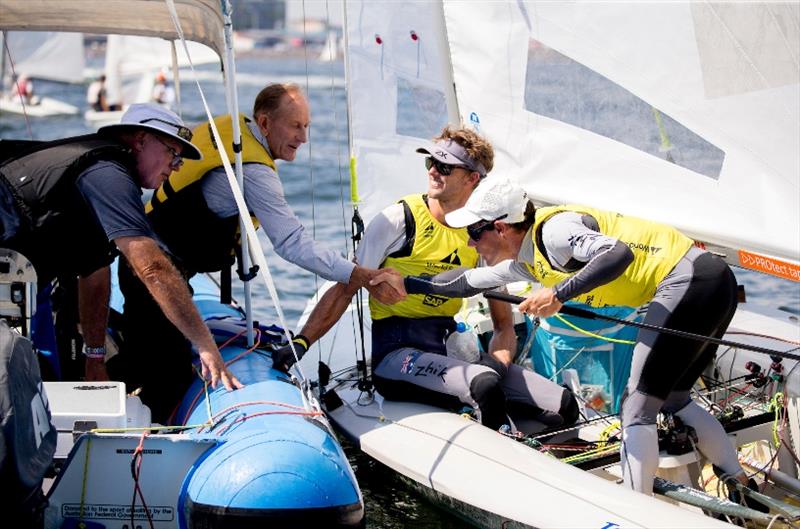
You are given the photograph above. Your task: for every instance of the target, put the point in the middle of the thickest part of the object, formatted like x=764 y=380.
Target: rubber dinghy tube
x=291 y=482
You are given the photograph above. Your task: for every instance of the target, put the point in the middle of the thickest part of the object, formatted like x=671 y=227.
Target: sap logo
x=434 y=301
x=41 y=422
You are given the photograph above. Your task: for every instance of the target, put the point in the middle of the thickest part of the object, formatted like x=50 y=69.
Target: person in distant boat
x=162 y=92
x=606 y=259
x=96 y=96
x=194 y=213
x=409 y=356
x=24 y=89
x=70 y=204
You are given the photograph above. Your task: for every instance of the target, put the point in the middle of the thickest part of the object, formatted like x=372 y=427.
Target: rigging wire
x=581 y=313
x=16 y=85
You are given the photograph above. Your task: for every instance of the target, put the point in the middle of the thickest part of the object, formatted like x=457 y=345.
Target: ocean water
x=317 y=187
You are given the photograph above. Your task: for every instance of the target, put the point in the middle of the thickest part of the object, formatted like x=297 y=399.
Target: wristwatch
x=94 y=352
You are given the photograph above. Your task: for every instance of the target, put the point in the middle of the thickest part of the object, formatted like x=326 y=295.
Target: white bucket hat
x=493 y=199
x=158 y=118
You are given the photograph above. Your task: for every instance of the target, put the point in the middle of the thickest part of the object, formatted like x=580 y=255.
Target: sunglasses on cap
x=476 y=230
x=441 y=168
x=182 y=132
x=177 y=159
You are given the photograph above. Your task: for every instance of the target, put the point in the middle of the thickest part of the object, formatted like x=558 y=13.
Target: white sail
x=132 y=63
x=681 y=112
x=47 y=55
x=398 y=83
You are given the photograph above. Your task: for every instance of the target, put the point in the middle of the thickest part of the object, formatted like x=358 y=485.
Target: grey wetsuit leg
x=411 y=374
x=698 y=296
x=548 y=402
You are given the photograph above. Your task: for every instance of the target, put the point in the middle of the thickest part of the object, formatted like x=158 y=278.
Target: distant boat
x=331 y=49
x=132 y=64
x=49 y=55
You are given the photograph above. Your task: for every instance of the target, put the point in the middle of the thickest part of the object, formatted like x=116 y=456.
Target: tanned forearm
x=503 y=344
x=167 y=287
x=93 y=293
x=328 y=311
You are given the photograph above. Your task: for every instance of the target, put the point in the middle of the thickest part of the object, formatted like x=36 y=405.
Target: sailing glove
x=283 y=357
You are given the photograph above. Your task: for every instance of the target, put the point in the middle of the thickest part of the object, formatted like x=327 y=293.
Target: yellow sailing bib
x=436 y=248
x=657 y=248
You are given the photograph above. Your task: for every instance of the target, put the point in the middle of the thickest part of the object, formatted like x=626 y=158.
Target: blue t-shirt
x=115 y=200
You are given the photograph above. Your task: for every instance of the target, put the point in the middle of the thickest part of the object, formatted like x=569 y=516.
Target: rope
x=16 y=86
x=581 y=313
x=136 y=469
x=591 y=334
x=85 y=478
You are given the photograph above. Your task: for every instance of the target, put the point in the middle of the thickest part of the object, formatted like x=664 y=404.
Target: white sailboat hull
x=44 y=107
x=492 y=480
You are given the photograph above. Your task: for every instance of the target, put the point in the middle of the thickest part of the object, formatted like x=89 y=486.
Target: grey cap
x=158 y=118
x=451 y=152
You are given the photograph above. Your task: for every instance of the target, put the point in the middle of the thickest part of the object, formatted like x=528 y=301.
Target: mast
x=247 y=273
x=453 y=113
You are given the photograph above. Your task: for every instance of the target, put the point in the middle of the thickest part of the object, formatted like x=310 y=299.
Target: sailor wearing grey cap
x=602 y=259
x=448 y=154
x=70 y=204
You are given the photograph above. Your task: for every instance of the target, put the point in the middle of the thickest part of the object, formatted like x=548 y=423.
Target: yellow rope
x=85 y=475
x=593 y=335
x=606 y=433
x=776 y=404
x=591 y=453
x=207 y=424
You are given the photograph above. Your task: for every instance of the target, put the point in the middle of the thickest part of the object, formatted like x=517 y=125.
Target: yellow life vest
x=435 y=248
x=657 y=248
x=193 y=170
x=178 y=211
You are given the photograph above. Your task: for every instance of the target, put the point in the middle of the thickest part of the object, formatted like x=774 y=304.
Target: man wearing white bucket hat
x=69 y=205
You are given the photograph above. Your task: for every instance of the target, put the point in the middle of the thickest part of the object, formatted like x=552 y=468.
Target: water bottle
x=463 y=344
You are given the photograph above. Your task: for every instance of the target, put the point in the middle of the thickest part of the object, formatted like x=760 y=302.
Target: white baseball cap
x=161 y=119
x=493 y=199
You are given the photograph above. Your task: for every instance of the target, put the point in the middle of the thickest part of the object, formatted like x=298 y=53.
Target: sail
x=48 y=55
x=398 y=83
x=132 y=63
x=680 y=112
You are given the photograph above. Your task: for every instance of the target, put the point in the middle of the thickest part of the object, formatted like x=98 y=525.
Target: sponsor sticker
x=769 y=265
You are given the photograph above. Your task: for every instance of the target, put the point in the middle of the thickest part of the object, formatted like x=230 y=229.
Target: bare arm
x=93 y=293
x=169 y=290
x=328 y=311
x=503 y=345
